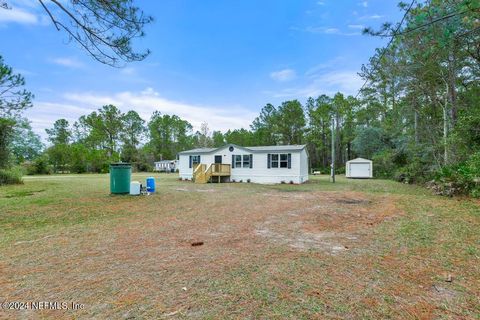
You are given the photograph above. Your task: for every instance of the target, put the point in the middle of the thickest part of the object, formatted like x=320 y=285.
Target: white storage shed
x=359 y=168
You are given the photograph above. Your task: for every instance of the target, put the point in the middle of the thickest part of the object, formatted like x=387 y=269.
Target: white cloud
x=321 y=3
x=68 y=62
x=371 y=17
x=364 y=4
x=330 y=31
x=25 y=3
x=17 y=15
x=128 y=71
x=331 y=64
x=283 y=75
x=44 y=113
x=24 y=72
x=356 y=26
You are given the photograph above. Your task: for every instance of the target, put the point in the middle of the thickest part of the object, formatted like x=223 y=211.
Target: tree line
x=108 y=135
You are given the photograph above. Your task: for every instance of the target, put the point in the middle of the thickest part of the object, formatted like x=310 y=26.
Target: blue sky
x=213 y=61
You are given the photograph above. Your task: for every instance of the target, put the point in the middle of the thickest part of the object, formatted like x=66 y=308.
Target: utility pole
x=332 y=171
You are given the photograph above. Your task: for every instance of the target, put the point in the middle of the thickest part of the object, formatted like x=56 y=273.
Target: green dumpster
x=120 y=178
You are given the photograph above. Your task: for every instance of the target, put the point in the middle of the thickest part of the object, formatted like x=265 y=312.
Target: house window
x=195 y=160
x=280 y=160
x=242 y=161
x=274 y=161
x=246 y=161
x=283 y=160
x=238 y=161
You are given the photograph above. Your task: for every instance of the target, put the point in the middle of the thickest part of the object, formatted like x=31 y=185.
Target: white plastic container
x=135 y=187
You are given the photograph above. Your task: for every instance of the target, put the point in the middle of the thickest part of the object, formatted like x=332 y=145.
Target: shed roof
x=359 y=160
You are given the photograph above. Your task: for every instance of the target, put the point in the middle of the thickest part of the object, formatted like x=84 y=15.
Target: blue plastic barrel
x=151 y=184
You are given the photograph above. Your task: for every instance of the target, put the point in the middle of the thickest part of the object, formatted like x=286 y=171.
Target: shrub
x=473 y=174
x=463 y=178
x=383 y=165
x=143 y=167
x=10 y=176
x=411 y=173
x=39 y=166
x=78 y=161
x=339 y=170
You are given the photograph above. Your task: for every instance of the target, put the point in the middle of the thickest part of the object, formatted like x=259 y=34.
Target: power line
x=448 y=16
x=389 y=43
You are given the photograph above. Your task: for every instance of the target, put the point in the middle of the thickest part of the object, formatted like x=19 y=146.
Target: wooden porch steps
x=202 y=174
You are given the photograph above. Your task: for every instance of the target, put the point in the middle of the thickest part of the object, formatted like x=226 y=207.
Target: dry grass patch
x=268 y=252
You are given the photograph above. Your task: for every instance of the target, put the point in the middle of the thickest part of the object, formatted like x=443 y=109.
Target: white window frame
x=246 y=161
x=278 y=161
x=238 y=163
x=242 y=161
x=195 y=160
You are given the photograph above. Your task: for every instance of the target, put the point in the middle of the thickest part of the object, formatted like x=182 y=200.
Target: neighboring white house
x=166 y=165
x=359 y=168
x=266 y=164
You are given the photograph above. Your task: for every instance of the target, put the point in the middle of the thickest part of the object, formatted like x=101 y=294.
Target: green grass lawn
x=357 y=249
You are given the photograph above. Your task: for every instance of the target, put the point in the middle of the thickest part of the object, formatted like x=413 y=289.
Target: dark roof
x=296 y=147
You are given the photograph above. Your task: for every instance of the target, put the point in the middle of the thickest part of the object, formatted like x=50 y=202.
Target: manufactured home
x=264 y=164
x=359 y=168
x=165 y=166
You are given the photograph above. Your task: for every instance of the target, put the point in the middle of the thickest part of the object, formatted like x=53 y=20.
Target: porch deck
x=202 y=174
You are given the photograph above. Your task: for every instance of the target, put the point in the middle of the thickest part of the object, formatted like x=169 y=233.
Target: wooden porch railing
x=202 y=174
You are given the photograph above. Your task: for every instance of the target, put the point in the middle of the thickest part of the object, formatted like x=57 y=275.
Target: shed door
x=361 y=170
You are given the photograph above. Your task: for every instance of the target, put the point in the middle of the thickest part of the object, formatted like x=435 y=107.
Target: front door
x=218 y=159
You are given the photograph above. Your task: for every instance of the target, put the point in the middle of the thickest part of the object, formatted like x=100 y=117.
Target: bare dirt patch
x=330 y=221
